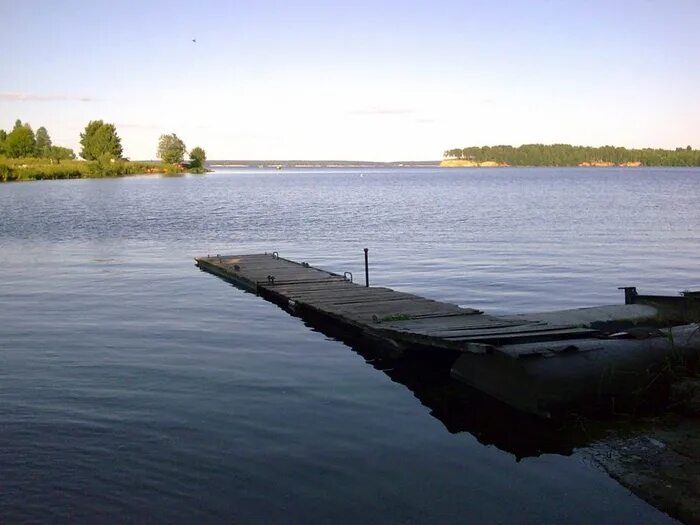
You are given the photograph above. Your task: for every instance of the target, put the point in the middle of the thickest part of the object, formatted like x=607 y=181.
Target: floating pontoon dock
x=536 y=362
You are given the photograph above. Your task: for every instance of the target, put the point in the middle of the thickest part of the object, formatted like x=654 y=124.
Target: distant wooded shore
x=568 y=155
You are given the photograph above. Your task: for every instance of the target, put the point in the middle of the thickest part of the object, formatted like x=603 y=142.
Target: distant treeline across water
x=568 y=155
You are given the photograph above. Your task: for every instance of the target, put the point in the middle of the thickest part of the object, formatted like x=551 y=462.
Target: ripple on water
x=134 y=387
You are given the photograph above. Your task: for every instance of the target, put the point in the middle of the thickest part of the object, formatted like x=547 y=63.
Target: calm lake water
x=136 y=388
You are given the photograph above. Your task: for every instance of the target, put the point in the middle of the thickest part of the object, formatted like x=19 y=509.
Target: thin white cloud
x=381 y=110
x=15 y=96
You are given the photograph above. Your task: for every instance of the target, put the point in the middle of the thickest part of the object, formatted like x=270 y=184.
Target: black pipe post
x=366 y=269
x=630 y=293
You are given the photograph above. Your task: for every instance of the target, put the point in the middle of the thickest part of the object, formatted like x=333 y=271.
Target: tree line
x=99 y=143
x=568 y=155
x=21 y=141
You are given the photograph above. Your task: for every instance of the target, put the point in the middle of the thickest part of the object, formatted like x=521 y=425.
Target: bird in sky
x=194 y=40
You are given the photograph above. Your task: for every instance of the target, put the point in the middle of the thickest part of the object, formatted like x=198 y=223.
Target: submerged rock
x=685 y=396
x=662 y=466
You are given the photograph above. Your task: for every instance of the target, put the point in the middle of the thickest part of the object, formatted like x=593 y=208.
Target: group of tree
x=22 y=141
x=568 y=155
x=99 y=143
x=171 y=150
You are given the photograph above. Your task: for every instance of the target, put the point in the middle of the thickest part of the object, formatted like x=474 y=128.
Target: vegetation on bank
x=171 y=150
x=27 y=168
x=197 y=159
x=23 y=142
x=568 y=155
x=26 y=155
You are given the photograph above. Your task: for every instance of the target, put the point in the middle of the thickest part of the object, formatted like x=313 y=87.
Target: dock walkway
x=399 y=317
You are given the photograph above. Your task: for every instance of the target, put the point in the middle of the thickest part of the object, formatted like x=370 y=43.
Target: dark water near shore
x=135 y=388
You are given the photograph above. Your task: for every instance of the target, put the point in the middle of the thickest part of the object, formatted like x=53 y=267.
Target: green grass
x=397 y=317
x=39 y=169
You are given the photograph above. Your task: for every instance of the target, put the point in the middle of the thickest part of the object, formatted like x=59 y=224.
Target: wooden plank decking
x=380 y=312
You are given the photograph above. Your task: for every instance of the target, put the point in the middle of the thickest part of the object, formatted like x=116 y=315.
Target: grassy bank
x=25 y=169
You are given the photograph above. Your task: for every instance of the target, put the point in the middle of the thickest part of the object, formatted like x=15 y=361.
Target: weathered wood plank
x=399 y=303
x=468 y=319
x=520 y=337
x=351 y=289
x=381 y=313
x=352 y=302
x=497 y=331
x=437 y=332
x=278 y=273
x=310 y=287
x=348 y=296
x=300 y=279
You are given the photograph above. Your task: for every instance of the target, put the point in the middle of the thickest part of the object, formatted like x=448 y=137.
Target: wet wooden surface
x=380 y=311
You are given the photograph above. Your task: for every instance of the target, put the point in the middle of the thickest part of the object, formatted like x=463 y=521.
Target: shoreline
x=30 y=169
x=462 y=163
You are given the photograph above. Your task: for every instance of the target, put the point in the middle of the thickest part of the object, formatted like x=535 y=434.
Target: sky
x=393 y=80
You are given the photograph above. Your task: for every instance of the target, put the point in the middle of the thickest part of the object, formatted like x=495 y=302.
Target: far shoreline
x=461 y=163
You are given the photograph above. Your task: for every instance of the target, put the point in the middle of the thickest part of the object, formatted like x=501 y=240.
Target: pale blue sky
x=356 y=80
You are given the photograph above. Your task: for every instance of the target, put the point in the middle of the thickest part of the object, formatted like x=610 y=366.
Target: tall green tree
x=20 y=142
x=3 y=137
x=197 y=157
x=99 y=140
x=43 y=142
x=171 y=149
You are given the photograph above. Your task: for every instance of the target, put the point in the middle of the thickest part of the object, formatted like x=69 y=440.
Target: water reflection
x=457 y=406
x=461 y=408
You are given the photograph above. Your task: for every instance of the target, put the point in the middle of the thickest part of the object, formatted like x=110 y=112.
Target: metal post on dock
x=630 y=293
x=366 y=269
